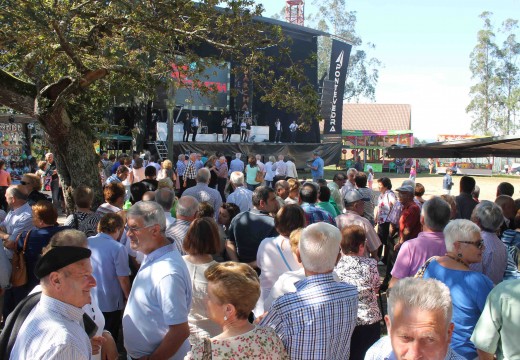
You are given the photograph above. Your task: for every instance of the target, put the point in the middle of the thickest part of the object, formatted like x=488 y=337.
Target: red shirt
x=410 y=219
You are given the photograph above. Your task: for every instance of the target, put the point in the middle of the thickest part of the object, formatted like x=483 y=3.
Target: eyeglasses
x=478 y=244
x=24 y=183
x=136 y=229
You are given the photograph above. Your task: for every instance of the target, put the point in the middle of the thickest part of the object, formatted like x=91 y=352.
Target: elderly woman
x=201 y=241
x=488 y=216
x=111 y=270
x=33 y=184
x=233 y=289
x=269 y=172
x=469 y=289
x=83 y=219
x=356 y=269
x=274 y=256
x=44 y=216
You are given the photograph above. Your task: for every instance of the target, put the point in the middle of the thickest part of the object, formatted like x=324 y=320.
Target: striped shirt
x=177 y=233
x=494 y=258
x=316 y=321
x=53 y=330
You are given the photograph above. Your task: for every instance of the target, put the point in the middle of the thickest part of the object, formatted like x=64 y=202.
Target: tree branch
x=68 y=49
x=17 y=94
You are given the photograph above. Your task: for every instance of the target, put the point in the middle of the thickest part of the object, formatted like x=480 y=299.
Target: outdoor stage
x=302 y=153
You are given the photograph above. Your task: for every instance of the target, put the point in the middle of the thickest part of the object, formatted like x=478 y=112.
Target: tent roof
x=502 y=146
x=377 y=117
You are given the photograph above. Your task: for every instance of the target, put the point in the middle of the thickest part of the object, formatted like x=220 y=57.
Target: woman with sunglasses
x=469 y=289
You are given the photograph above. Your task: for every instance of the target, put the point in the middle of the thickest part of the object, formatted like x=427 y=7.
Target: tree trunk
x=76 y=160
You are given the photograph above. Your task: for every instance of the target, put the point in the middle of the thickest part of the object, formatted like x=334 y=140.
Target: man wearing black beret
x=55 y=329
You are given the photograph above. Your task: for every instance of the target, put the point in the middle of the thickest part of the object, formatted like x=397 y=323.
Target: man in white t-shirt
x=278 y=131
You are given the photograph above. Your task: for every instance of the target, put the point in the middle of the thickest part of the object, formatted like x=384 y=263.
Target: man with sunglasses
x=155 y=321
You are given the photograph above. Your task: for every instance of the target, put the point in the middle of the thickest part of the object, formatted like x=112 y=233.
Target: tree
x=334 y=17
x=495 y=95
x=63 y=63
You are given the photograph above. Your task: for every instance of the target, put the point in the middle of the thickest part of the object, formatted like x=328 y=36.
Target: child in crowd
x=447 y=182
x=413 y=173
x=370 y=177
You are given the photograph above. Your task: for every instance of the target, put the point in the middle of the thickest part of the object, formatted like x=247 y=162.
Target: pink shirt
x=5 y=178
x=414 y=253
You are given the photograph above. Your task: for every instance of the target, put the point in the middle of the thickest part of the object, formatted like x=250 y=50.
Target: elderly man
x=236 y=164
x=241 y=196
x=435 y=215
x=316 y=321
x=350 y=183
x=282 y=190
x=186 y=212
x=203 y=193
x=280 y=169
x=497 y=329
x=155 y=321
x=120 y=175
x=165 y=197
x=418 y=322
x=488 y=216
x=316 y=166
x=249 y=228
x=54 y=329
x=338 y=181
x=191 y=172
x=354 y=207
x=19 y=219
x=309 y=198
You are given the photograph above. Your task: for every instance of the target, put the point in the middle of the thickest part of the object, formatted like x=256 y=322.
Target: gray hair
x=489 y=215
x=181 y=157
x=423 y=294
x=165 y=198
x=319 y=247
x=281 y=157
x=237 y=178
x=238 y=155
x=436 y=213
x=17 y=192
x=258 y=157
x=187 y=206
x=459 y=230
x=203 y=176
x=272 y=159
x=151 y=212
x=351 y=171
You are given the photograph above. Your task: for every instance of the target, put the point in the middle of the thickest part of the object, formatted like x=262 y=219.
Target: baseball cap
x=353 y=196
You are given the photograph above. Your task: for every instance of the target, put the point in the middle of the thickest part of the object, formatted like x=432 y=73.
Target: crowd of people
x=212 y=258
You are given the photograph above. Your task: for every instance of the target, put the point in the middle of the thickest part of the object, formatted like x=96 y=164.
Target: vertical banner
x=339 y=59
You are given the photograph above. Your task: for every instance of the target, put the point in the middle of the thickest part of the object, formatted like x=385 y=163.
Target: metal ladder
x=162 y=150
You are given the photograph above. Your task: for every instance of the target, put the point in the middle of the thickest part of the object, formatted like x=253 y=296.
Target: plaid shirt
x=181 y=168
x=314 y=214
x=191 y=171
x=317 y=321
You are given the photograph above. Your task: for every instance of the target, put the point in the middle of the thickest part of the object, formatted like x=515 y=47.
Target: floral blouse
x=362 y=272
x=384 y=205
x=259 y=343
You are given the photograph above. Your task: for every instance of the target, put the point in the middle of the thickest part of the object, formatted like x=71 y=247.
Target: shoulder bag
x=422 y=269
x=19 y=273
x=259 y=175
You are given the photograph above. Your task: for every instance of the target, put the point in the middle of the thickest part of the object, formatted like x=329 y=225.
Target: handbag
x=259 y=176
x=422 y=269
x=207 y=355
x=19 y=273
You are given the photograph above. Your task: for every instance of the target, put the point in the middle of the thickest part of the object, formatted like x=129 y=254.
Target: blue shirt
x=318 y=173
x=317 y=321
x=242 y=197
x=181 y=168
x=113 y=179
x=202 y=192
x=109 y=260
x=160 y=297
x=17 y=221
x=469 y=290
x=314 y=214
x=236 y=165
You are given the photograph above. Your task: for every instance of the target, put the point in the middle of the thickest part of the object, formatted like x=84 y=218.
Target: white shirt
x=291 y=169
x=278 y=124
x=53 y=330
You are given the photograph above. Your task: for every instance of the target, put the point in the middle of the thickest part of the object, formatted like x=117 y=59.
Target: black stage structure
x=300 y=152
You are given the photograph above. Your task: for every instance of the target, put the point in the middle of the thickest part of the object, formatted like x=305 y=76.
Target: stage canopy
x=499 y=146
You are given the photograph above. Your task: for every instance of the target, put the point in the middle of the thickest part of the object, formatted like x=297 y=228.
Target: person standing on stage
x=229 y=126
x=186 y=123
x=243 y=131
x=278 y=131
x=293 y=128
x=223 y=124
x=194 y=127
x=248 y=128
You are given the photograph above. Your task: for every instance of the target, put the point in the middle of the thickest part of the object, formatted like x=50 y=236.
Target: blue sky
x=425 y=47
